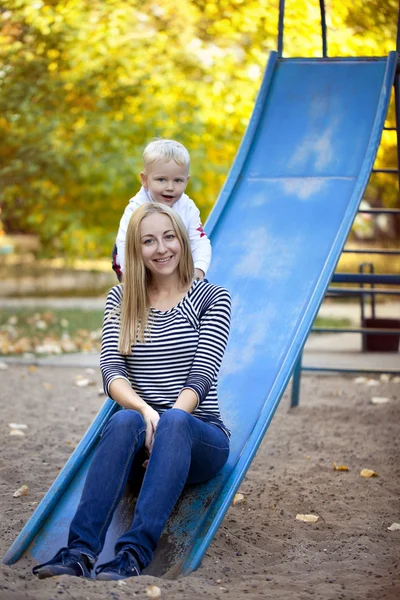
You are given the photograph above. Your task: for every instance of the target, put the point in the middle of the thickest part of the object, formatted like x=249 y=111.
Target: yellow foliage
x=89 y=83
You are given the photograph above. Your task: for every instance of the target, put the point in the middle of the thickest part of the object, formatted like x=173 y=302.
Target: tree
x=85 y=84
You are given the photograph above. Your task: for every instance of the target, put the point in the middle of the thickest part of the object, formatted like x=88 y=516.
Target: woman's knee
x=126 y=423
x=175 y=415
x=173 y=420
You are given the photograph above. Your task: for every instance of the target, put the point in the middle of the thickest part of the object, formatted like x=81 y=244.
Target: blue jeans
x=185 y=450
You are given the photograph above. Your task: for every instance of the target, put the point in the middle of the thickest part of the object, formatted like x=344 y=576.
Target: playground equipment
x=289 y=201
x=377 y=334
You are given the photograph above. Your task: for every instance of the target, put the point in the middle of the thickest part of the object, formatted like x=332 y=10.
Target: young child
x=164 y=179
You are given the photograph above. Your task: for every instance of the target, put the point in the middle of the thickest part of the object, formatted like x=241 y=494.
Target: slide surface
x=277 y=232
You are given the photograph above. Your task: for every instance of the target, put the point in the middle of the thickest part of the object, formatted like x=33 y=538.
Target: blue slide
x=277 y=232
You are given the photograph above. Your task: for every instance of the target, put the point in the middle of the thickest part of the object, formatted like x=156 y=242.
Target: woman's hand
x=151 y=418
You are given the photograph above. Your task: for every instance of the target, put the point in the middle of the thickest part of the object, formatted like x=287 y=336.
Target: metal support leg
x=296 y=382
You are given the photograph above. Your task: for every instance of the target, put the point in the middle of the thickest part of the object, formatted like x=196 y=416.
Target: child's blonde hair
x=135 y=307
x=166 y=150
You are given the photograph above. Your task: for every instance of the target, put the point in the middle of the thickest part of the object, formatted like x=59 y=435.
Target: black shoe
x=65 y=562
x=123 y=566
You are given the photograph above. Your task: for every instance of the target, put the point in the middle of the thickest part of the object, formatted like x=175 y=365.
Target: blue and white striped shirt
x=184 y=349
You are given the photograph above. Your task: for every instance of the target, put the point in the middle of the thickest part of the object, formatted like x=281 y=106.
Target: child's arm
x=199 y=242
x=121 y=235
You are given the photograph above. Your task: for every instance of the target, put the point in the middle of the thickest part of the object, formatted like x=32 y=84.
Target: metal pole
x=397 y=95
x=323 y=29
x=296 y=382
x=280 y=27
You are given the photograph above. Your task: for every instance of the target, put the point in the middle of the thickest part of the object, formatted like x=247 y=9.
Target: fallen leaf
x=17 y=433
x=32 y=368
x=22 y=491
x=379 y=400
x=394 y=527
x=368 y=473
x=90 y=371
x=384 y=377
x=84 y=382
x=3 y=366
x=18 y=426
x=360 y=380
x=372 y=382
x=47 y=386
x=238 y=499
x=48 y=347
x=68 y=346
x=153 y=591
x=307 y=518
x=340 y=467
x=396 y=379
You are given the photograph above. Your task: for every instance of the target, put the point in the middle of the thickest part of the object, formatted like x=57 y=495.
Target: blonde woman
x=164 y=336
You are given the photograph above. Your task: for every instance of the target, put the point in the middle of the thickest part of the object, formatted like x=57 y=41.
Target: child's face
x=166 y=181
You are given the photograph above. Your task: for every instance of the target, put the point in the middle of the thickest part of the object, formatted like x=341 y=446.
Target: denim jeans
x=185 y=450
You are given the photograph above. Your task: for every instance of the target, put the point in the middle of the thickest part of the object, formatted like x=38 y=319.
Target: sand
x=261 y=550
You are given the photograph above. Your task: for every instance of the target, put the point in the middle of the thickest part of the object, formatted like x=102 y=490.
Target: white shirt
x=190 y=215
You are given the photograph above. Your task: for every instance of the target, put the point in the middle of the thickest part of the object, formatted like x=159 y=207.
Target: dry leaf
x=32 y=368
x=153 y=591
x=340 y=467
x=372 y=382
x=360 y=380
x=394 y=527
x=384 y=377
x=307 y=518
x=368 y=473
x=17 y=432
x=22 y=491
x=238 y=499
x=396 y=379
x=379 y=400
x=18 y=426
x=47 y=386
x=84 y=382
x=3 y=366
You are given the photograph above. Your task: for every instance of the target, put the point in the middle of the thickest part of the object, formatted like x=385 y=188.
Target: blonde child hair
x=135 y=307
x=164 y=151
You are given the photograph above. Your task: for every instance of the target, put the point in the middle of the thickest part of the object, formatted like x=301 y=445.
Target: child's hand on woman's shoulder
x=198 y=275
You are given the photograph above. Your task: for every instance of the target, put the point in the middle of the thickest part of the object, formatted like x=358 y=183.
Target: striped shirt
x=184 y=349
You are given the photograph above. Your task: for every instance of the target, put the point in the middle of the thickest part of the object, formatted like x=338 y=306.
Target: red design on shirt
x=201 y=230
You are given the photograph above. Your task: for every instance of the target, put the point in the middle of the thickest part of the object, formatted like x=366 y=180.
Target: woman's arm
x=213 y=338
x=122 y=392
x=187 y=400
x=114 y=370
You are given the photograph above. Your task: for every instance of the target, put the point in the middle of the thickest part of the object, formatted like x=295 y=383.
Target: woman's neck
x=165 y=293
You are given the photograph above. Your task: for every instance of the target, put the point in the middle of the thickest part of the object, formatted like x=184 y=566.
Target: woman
x=163 y=341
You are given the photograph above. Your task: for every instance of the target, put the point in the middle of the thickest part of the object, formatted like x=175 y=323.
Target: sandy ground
x=260 y=551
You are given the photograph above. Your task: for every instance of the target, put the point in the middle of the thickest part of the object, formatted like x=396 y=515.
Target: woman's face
x=161 y=250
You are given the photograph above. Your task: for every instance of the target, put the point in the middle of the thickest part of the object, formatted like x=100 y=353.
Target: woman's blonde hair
x=135 y=307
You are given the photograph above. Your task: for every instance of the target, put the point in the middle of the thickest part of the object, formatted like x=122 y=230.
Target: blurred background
x=85 y=84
